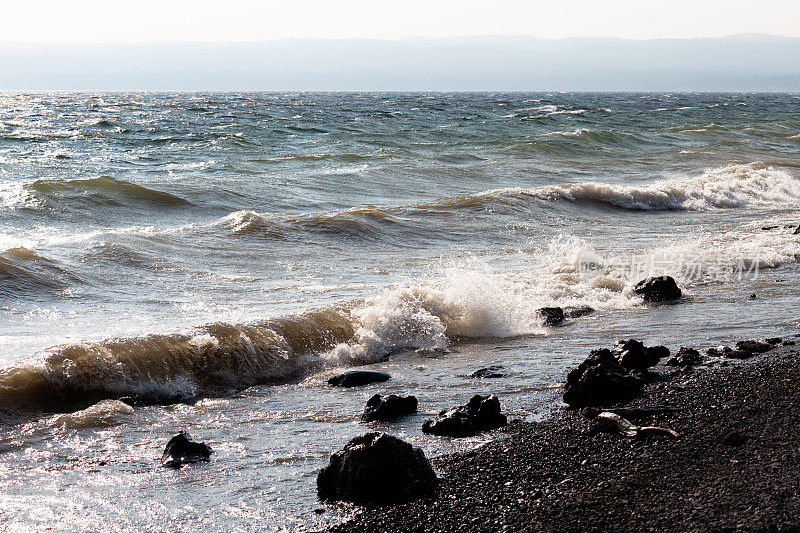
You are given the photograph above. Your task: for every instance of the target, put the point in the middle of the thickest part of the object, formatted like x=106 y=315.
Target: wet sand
x=556 y=476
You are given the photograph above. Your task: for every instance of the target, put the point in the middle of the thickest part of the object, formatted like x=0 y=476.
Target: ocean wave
x=346 y=157
x=104 y=191
x=24 y=272
x=733 y=186
x=219 y=358
x=212 y=359
x=726 y=187
x=360 y=223
x=697 y=129
x=103 y=414
x=35 y=135
x=612 y=137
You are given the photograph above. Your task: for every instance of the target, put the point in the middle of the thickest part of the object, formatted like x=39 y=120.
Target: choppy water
x=237 y=249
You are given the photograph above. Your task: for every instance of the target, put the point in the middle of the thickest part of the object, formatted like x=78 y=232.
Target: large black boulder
x=600 y=380
x=660 y=289
x=632 y=354
x=482 y=413
x=388 y=407
x=181 y=450
x=377 y=468
x=356 y=378
x=551 y=316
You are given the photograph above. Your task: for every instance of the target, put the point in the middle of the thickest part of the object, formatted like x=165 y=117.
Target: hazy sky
x=259 y=20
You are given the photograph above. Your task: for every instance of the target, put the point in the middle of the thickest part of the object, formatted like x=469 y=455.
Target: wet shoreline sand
x=555 y=476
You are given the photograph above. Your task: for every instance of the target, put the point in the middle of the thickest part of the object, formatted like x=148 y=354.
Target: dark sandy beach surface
x=734 y=467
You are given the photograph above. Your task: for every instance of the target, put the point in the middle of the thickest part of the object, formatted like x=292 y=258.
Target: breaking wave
x=722 y=188
x=464 y=301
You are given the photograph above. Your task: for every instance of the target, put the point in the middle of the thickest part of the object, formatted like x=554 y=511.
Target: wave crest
x=723 y=188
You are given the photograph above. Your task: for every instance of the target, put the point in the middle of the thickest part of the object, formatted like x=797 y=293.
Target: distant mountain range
x=737 y=63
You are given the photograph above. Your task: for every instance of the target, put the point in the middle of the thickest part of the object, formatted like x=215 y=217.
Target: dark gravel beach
x=734 y=466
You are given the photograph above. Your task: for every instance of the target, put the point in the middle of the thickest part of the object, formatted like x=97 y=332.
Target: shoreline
x=554 y=476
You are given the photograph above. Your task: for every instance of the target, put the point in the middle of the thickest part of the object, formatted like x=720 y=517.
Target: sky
x=254 y=20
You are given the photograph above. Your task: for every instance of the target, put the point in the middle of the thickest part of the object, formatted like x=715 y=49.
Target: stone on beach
x=600 y=380
x=388 y=407
x=356 y=378
x=632 y=354
x=608 y=422
x=754 y=346
x=181 y=450
x=482 y=413
x=658 y=289
x=377 y=468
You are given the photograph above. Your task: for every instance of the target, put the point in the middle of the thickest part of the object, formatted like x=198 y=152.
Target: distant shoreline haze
x=736 y=63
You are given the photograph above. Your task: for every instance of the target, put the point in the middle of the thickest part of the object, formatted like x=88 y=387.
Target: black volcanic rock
x=356 y=378
x=660 y=289
x=600 y=380
x=181 y=450
x=632 y=354
x=551 y=315
x=754 y=347
x=482 y=413
x=376 y=468
x=388 y=407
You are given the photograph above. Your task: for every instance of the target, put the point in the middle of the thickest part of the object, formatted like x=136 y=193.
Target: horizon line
x=412 y=38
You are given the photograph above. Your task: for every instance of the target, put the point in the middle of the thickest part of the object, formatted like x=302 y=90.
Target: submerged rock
x=685 y=357
x=181 y=450
x=551 y=315
x=377 y=468
x=488 y=373
x=482 y=413
x=600 y=380
x=660 y=289
x=388 y=407
x=632 y=354
x=577 y=312
x=356 y=378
